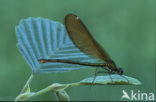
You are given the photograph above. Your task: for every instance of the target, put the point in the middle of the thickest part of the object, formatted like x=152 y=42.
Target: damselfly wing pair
x=83 y=40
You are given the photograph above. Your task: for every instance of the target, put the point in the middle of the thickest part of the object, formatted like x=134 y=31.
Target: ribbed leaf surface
x=40 y=38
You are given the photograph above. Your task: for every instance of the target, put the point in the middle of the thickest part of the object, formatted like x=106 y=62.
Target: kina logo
x=136 y=96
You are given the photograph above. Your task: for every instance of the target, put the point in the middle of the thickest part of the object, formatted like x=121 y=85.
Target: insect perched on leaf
x=83 y=40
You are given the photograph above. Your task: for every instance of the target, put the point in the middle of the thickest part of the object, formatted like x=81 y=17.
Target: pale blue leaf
x=40 y=38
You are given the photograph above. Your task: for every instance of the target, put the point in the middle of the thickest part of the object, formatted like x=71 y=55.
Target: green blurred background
x=125 y=28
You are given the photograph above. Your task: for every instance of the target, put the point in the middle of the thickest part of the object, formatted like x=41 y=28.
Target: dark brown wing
x=83 y=39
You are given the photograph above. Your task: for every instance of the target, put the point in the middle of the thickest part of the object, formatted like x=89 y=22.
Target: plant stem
x=27 y=83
